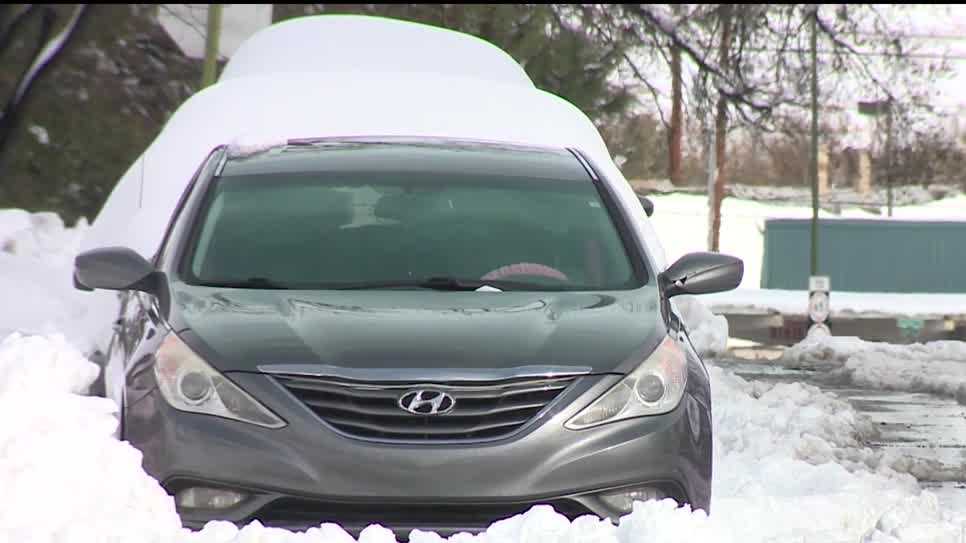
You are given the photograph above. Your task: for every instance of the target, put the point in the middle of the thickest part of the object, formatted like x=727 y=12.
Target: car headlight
x=188 y=383
x=653 y=388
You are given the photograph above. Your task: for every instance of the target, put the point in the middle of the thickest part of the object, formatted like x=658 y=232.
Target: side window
x=205 y=171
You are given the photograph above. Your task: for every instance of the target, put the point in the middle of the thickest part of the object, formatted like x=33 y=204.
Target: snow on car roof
x=254 y=111
x=353 y=43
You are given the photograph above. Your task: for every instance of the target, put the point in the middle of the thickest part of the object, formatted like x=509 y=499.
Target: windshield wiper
x=251 y=282
x=443 y=283
x=434 y=283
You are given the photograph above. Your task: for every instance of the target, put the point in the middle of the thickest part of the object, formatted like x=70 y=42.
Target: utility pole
x=819 y=308
x=889 y=155
x=212 y=38
x=813 y=159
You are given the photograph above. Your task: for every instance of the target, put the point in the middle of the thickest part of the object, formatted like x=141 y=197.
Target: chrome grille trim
x=483 y=411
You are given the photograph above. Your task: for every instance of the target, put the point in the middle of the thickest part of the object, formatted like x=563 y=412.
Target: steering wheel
x=525 y=268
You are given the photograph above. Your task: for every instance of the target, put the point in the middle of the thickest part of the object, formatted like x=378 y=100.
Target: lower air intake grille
x=478 y=411
x=293 y=513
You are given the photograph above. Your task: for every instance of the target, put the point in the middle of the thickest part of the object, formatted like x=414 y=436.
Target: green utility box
x=867 y=255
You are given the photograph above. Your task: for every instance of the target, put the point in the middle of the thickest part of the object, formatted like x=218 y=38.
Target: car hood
x=248 y=330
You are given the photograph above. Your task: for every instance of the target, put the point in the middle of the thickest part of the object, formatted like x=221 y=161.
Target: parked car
x=429 y=333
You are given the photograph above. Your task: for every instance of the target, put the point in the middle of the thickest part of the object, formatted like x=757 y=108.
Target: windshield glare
x=326 y=230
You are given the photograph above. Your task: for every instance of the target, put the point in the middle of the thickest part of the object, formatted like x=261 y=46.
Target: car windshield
x=453 y=231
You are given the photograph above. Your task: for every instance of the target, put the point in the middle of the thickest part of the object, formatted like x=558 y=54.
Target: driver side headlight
x=188 y=383
x=653 y=388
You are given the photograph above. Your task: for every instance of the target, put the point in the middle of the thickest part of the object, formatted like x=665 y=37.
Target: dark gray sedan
x=431 y=334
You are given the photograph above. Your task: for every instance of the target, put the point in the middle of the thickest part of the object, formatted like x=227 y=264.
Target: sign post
x=818 y=305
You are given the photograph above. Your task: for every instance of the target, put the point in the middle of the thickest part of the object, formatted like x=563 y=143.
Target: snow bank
x=789 y=465
x=937 y=367
x=63 y=475
x=36 y=266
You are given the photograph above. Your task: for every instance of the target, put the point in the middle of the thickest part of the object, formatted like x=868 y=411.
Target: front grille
x=481 y=411
x=296 y=513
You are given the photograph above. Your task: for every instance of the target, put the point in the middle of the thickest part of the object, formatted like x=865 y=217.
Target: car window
x=204 y=171
x=327 y=230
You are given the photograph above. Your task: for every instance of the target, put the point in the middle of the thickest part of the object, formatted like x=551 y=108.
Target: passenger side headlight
x=653 y=388
x=188 y=383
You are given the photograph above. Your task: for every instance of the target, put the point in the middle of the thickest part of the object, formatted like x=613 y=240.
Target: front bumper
x=306 y=473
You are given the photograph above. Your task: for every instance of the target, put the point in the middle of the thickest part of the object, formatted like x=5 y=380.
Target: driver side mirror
x=114 y=268
x=647 y=203
x=702 y=273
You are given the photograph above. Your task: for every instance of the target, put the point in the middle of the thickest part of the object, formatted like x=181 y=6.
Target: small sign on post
x=818 y=305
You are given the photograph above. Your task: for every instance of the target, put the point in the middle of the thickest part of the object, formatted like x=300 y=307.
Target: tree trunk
x=720 y=131
x=209 y=71
x=676 y=129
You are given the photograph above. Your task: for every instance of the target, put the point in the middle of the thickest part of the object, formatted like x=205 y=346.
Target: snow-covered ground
x=790 y=464
x=938 y=367
x=842 y=304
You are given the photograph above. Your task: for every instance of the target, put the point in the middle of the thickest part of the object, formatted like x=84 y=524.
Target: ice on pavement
x=937 y=367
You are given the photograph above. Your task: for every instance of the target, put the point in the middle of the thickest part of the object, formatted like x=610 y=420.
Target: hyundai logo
x=427 y=402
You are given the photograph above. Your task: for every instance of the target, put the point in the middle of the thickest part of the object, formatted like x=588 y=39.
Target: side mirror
x=648 y=204
x=113 y=268
x=702 y=273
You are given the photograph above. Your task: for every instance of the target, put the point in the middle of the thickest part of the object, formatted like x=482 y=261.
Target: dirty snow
x=937 y=367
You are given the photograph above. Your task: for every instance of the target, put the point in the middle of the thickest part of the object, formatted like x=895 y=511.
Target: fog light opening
x=197 y=497
x=622 y=501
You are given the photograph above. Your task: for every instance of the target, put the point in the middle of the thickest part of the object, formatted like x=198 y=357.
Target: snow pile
x=937 y=367
x=40 y=235
x=782 y=473
x=36 y=266
x=708 y=332
x=64 y=476
x=790 y=464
